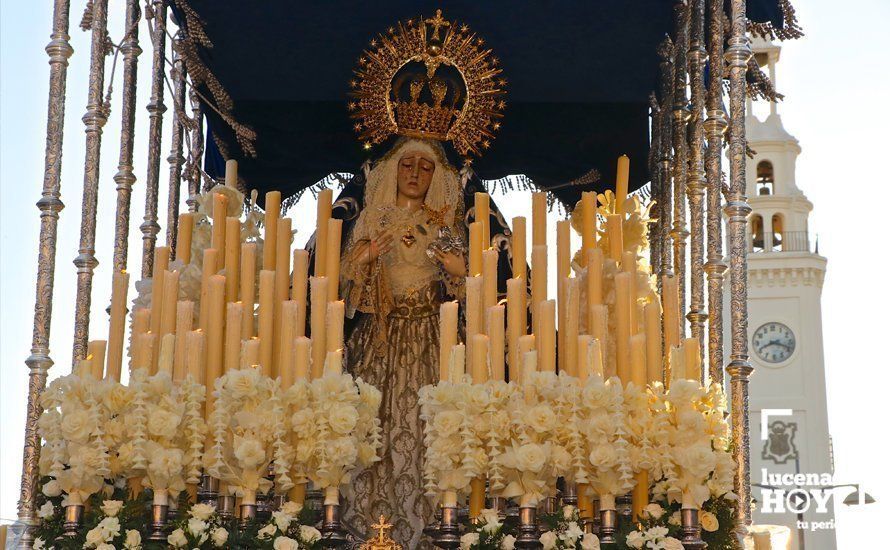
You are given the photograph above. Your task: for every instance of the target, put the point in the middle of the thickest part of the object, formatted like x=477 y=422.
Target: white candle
x=248 y=289
x=518 y=247
x=300 y=289
x=270 y=239
x=318 y=312
x=447 y=336
x=332 y=266
x=495 y=333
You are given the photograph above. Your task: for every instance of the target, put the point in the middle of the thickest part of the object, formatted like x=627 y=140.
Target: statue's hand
x=453 y=264
x=368 y=251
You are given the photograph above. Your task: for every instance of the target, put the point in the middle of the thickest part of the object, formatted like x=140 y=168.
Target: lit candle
x=516 y=319
x=233 y=257
x=250 y=353
x=119 y=284
x=302 y=356
x=584 y=357
x=286 y=349
x=266 y=320
x=208 y=269
x=334 y=321
x=622 y=326
x=215 y=319
x=539 y=283
x=185 y=313
x=692 y=359
x=621 y=183
x=599 y=328
x=483 y=215
x=456 y=363
x=332 y=268
x=588 y=221
x=300 y=290
x=479 y=359
x=184 y=231
x=539 y=219
x=232 y=173
x=495 y=333
x=142 y=356
x=638 y=360
x=165 y=356
x=270 y=238
x=161 y=263
x=194 y=355
x=475 y=261
x=652 y=315
x=318 y=312
x=96 y=353
x=489 y=278
x=518 y=247
x=616 y=236
x=572 y=314
x=169 y=299
x=526 y=346
x=218 y=230
x=248 y=288
x=323 y=214
x=234 y=314
x=547 y=335
x=447 y=336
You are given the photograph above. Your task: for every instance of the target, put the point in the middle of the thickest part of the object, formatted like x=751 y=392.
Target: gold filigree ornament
x=381 y=541
x=428 y=78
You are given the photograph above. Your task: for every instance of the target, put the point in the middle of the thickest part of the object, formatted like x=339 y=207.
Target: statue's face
x=415 y=174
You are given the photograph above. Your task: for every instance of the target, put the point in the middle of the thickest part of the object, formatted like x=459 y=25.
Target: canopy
x=579 y=79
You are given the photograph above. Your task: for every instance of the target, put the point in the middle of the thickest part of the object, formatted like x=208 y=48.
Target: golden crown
x=428 y=78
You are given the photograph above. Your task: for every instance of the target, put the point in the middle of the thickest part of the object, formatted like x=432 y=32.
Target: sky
x=835 y=80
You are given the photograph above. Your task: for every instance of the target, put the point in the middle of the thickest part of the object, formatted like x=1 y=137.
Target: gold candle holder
x=73 y=519
x=691 y=530
x=448 y=535
x=528 y=528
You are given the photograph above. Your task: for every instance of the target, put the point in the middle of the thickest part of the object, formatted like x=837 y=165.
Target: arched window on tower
x=778 y=235
x=756 y=233
x=765 y=179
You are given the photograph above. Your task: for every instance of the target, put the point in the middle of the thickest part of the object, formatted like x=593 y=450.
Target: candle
x=318 y=312
x=516 y=320
x=334 y=321
x=475 y=261
x=629 y=265
x=588 y=221
x=652 y=316
x=489 y=278
x=479 y=359
x=332 y=267
x=563 y=270
x=638 y=360
x=333 y=364
x=161 y=263
x=456 y=363
x=677 y=364
x=302 y=356
x=529 y=367
x=474 y=310
x=596 y=358
x=185 y=312
x=483 y=215
x=184 y=231
x=282 y=285
x=165 y=356
x=495 y=331
x=539 y=219
x=194 y=355
x=447 y=336
x=640 y=495
x=142 y=356
x=266 y=320
x=232 y=173
x=250 y=353
x=594 y=283
x=526 y=346
x=599 y=328
x=216 y=317
x=218 y=231
x=539 y=282
x=96 y=353
x=286 y=349
x=670 y=295
x=547 y=335
x=570 y=341
x=233 y=257
x=584 y=358
x=621 y=182
x=168 y=304
x=622 y=326
x=248 y=288
x=234 y=314
x=477 y=496
x=616 y=236
x=208 y=269
x=323 y=214
x=270 y=237
x=141 y=321
x=119 y=284
x=692 y=359
x=518 y=247
x=299 y=290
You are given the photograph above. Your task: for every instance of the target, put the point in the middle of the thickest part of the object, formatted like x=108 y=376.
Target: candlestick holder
x=431 y=529
x=158 y=522
x=597 y=519
x=608 y=526
x=225 y=506
x=624 y=506
x=248 y=513
x=528 y=528
x=332 y=533
x=499 y=504
x=73 y=519
x=570 y=494
x=691 y=530
x=208 y=490
x=448 y=535
x=172 y=510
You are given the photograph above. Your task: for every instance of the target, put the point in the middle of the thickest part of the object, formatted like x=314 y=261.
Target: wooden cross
x=437 y=22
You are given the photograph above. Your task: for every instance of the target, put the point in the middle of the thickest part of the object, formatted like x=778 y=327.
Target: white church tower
x=785 y=276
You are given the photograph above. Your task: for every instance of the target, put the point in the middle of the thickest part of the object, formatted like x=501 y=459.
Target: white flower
x=708 y=521
x=309 y=534
x=94 y=537
x=111 y=508
x=133 y=540
x=590 y=542
x=508 y=542
x=248 y=451
x=675 y=519
x=342 y=450
x=671 y=543
x=111 y=527
x=292 y=508
x=342 y=418
x=177 y=539
x=163 y=423
x=572 y=533
x=490 y=520
x=530 y=457
x=447 y=422
x=76 y=425
x=548 y=540
x=105 y=546
x=196 y=526
x=202 y=511
x=38 y=544
x=656 y=532
x=541 y=418
x=653 y=510
x=282 y=520
x=635 y=539
x=267 y=531
x=568 y=512
x=219 y=536
x=51 y=488
x=46 y=511
x=285 y=543
x=468 y=540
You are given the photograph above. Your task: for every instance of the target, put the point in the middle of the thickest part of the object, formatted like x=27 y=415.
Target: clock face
x=774 y=342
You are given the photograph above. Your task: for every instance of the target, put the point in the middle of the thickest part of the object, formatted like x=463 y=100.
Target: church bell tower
x=785 y=276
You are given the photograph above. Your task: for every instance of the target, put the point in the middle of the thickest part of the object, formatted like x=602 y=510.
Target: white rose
x=541 y=418
x=202 y=511
x=490 y=520
x=590 y=542
x=111 y=508
x=46 y=511
x=342 y=418
x=118 y=398
x=309 y=534
x=367 y=454
x=196 y=526
x=111 y=527
x=342 y=451
x=163 y=423
x=242 y=383
x=219 y=536
x=530 y=457
x=568 y=512
x=548 y=540
x=675 y=519
x=447 y=422
x=656 y=532
x=572 y=533
x=671 y=543
x=635 y=539
x=249 y=452
x=267 y=531
x=105 y=546
x=51 y=488
x=282 y=520
x=285 y=543
x=508 y=542
x=292 y=508
x=133 y=540
x=708 y=521
x=177 y=539
x=468 y=540
x=95 y=537
x=653 y=510
x=303 y=421
x=76 y=426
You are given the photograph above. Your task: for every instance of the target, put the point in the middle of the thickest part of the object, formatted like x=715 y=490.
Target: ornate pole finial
x=437 y=23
